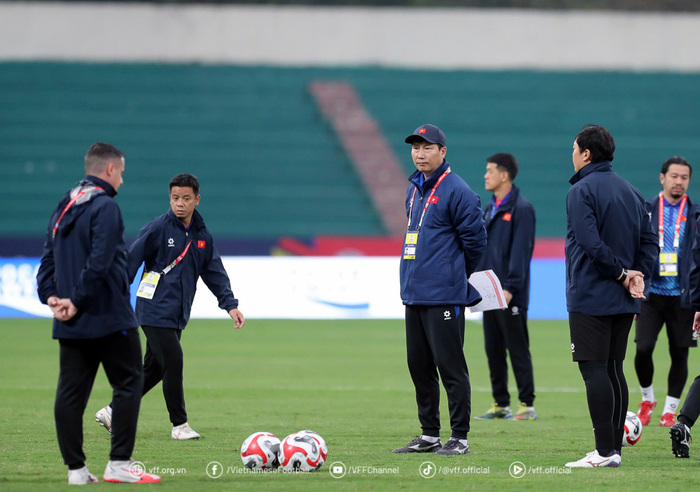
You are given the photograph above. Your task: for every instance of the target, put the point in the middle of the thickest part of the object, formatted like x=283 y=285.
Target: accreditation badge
x=409 y=248
x=148 y=285
x=668 y=264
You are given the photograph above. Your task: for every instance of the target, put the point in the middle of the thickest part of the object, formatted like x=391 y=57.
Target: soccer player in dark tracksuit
x=83 y=279
x=610 y=248
x=690 y=411
x=510 y=226
x=445 y=239
x=177 y=249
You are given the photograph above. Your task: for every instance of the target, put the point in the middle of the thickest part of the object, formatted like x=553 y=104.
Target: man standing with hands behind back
x=610 y=248
x=83 y=279
x=510 y=226
x=445 y=239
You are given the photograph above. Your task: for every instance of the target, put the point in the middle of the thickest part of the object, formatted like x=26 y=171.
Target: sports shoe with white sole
x=104 y=418
x=419 y=445
x=128 y=471
x=667 y=420
x=595 y=460
x=680 y=440
x=81 y=476
x=184 y=432
x=453 y=447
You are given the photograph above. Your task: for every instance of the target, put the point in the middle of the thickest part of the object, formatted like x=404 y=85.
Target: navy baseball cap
x=429 y=133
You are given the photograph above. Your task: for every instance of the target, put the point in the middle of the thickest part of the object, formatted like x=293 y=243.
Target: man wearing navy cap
x=445 y=238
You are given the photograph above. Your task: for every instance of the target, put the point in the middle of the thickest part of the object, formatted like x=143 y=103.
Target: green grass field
x=346 y=380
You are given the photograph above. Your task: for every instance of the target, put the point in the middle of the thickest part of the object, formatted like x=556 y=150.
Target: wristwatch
x=623 y=276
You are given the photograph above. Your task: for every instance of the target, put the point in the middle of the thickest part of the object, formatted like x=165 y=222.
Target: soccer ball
x=633 y=429
x=303 y=451
x=260 y=451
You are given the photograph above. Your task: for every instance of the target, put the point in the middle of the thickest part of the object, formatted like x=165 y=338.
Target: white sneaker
x=128 y=471
x=595 y=460
x=81 y=476
x=104 y=418
x=184 y=432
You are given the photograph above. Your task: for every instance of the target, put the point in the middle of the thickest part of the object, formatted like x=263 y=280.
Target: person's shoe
x=667 y=420
x=524 y=413
x=128 y=471
x=104 y=418
x=495 y=412
x=453 y=447
x=680 y=440
x=184 y=432
x=81 y=476
x=645 y=409
x=419 y=445
x=595 y=460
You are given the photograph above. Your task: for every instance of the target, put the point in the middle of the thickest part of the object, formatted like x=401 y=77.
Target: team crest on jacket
x=171 y=243
x=201 y=244
x=507 y=217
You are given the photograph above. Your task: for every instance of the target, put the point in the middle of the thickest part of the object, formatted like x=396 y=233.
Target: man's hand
x=634 y=283
x=508 y=296
x=65 y=310
x=55 y=306
x=696 y=323
x=237 y=317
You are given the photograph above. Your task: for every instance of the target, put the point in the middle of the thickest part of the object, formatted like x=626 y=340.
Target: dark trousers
x=435 y=342
x=657 y=311
x=691 y=407
x=120 y=355
x=507 y=330
x=164 y=362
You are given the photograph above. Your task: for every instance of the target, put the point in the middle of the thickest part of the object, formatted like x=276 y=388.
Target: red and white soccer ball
x=633 y=429
x=260 y=451
x=303 y=451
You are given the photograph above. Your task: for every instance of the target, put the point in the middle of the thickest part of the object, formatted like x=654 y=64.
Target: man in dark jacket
x=680 y=431
x=83 y=279
x=610 y=248
x=445 y=239
x=510 y=226
x=177 y=249
x=668 y=301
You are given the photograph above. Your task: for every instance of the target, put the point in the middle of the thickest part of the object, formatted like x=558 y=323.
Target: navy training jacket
x=450 y=243
x=608 y=229
x=158 y=244
x=511 y=241
x=686 y=263
x=86 y=262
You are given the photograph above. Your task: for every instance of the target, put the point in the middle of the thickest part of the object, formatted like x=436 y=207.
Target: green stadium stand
x=271 y=166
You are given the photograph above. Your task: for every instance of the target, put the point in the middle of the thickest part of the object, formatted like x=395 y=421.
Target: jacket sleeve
x=522 y=246
x=46 y=286
x=585 y=230
x=143 y=247
x=105 y=232
x=468 y=221
x=216 y=279
x=648 y=247
x=694 y=279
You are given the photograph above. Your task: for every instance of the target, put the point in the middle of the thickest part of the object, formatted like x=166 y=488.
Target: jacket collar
x=417 y=179
x=102 y=184
x=595 y=167
x=509 y=201
x=197 y=221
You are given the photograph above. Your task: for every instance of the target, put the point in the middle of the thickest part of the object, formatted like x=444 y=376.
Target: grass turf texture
x=346 y=380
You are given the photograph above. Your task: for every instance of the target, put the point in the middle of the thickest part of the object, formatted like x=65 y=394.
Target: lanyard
x=679 y=217
x=177 y=260
x=70 y=204
x=427 y=202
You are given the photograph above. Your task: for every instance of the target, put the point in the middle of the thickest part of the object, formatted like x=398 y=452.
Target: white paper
x=489 y=287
